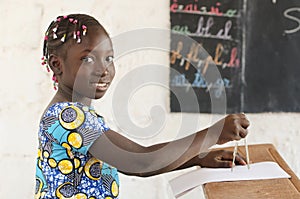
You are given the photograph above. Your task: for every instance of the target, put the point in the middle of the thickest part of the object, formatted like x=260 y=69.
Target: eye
x=88 y=59
x=109 y=59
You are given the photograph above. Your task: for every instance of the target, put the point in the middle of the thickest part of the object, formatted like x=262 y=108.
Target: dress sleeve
x=77 y=127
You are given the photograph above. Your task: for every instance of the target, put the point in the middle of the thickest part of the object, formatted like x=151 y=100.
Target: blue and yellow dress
x=65 y=169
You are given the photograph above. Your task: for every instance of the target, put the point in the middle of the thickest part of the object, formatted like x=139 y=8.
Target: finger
x=228 y=155
x=239 y=160
x=243 y=132
x=237 y=133
x=245 y=122
x=225 y=155
x=242 y=115
x=224 y=163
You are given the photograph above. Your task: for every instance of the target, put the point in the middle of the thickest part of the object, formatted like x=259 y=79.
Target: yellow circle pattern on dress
x=65 y=166
x=75 y=140
x=77 y=162
x=52 y=162
x=71 y=117
x=46 y=154
x=80 y=196
x=38 y=188
x=61 y=189
x=80 y=169
x=114 y=189
x=40 y=164
x=66 y=145
x=90 y=169
x=39 y=153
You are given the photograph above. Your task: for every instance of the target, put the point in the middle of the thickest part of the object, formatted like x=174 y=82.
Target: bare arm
x=134 y=159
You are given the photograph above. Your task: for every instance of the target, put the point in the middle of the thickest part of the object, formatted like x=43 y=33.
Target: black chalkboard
x=206 y=39
x=254 y=45
x=272 y=70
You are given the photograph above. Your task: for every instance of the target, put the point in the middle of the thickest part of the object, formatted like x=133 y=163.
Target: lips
x=101 y=86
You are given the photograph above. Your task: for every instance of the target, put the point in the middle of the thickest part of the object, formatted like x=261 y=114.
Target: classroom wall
x=26 y=89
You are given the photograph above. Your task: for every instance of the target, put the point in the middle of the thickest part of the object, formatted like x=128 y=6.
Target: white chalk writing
x=288 y=14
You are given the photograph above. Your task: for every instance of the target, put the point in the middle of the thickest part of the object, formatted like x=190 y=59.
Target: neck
x=68 y=95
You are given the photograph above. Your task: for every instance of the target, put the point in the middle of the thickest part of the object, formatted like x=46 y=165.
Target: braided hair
x=65 y=31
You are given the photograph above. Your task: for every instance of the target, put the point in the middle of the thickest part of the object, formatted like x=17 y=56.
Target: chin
x=99 y=95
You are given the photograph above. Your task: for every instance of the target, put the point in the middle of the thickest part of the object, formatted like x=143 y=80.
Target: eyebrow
x=89 y=51
x=86 y=51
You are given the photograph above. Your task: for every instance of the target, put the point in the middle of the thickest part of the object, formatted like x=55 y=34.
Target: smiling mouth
x=101 y=86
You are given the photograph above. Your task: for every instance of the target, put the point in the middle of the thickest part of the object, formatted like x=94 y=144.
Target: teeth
x=101 y=84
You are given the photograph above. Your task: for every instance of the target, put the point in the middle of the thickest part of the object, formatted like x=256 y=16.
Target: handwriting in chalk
x=217 y=87
x=215 y=27
x=181 y=29
x=204 y=29
x=176 y=53
x=195 y=8
x=192 y=56
x=196 y=48
x=288 y=13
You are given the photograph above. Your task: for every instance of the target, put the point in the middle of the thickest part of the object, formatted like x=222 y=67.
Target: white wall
x=26 y=89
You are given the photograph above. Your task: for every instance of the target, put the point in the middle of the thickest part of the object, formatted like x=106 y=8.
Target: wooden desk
x=270 y=189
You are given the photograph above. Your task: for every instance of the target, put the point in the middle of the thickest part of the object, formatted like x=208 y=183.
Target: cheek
x=82 y=76
x=112 y=71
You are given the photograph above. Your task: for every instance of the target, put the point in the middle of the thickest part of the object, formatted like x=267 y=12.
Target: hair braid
x=65 y=27
x=65 y=30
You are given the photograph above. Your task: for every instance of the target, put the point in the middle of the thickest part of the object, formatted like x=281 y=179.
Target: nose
x=101 y=68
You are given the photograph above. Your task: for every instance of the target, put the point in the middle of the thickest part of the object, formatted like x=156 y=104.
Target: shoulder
x=72 y=115
x=68 y=110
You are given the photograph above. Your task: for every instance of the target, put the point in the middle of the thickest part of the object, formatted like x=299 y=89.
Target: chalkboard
x=272 y=71
x=255 y=46
x=206 y=35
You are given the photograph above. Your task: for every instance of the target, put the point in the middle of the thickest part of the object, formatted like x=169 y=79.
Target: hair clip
x=75 y=21
x=63 y=38
x=84 y=28
x=54 y=32
x=44 y=62
x=78 y=36
x=46 y=36
x=54 y=29
x=55 y=82
x=71 y=20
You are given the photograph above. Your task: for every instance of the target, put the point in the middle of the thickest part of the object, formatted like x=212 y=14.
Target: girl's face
x=88 y=67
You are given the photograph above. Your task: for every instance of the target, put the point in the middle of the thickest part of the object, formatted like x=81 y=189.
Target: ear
x=55 y=64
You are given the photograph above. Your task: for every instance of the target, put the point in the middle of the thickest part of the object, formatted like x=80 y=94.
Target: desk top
x=256 y=189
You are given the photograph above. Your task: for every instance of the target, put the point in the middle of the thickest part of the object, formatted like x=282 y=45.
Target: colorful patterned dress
x=65 y=169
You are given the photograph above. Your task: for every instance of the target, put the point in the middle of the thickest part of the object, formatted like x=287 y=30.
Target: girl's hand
x=232 y=127
x=219 y=158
